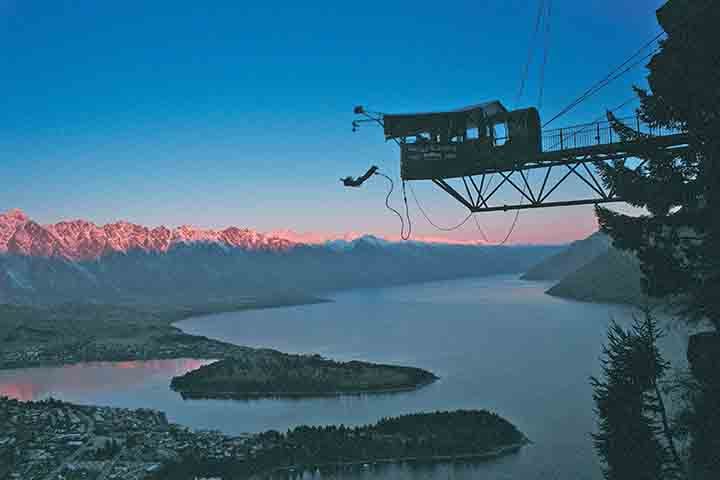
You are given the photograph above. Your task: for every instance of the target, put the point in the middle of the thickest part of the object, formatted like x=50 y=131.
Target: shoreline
x=169 y=318
x=257 y=395
x=151 y=440
x=173 y=316
x=186 y=313
x=4 y=368
x=487 y=455
x=161 y=340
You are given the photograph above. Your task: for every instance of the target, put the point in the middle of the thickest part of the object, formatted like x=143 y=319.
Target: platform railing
x=598 y=133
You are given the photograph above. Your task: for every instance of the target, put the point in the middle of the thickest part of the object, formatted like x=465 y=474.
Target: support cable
x=544 y=12
x=523 y=81
x=593 y=124
x=546 y=17
x=599 y=86
x=626 y=66
x=531 y=51
x=545 y=55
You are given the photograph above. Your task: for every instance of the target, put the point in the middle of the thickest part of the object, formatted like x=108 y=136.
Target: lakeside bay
x=468 y=332
x=66 y=334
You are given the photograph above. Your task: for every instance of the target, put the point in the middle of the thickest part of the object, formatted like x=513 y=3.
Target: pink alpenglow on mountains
x=319 y=238
x=83 y=240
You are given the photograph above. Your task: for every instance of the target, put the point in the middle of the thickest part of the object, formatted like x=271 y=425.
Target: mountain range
x=79 y=261
x=80 y=240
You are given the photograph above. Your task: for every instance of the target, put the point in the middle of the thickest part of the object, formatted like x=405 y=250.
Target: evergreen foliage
x=424 y=436
x=678 y=241
x=634 y=439
x=273 y=373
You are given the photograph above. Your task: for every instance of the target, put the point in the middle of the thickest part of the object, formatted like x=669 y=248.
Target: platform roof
x=452 y=121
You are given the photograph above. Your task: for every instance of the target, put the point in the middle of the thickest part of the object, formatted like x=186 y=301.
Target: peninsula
x=51 y=438
x=431 y=437
x=76 y=333
x=35 y=336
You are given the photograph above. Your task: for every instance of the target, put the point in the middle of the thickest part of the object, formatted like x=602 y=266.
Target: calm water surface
x=497 y=343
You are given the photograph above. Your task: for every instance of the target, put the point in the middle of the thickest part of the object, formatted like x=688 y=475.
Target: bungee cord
x=542 y=19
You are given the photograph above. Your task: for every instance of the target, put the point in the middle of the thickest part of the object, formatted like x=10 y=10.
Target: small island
x=268 y=373
x=433 y=437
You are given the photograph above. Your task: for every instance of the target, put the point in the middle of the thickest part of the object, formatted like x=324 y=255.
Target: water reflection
x=496 y=343
x=465 y=469
x=72 y=380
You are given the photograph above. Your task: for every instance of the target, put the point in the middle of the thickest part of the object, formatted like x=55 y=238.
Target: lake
x=497 y=343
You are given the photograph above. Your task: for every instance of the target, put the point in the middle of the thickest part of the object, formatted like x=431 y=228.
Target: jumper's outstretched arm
x=356 y=182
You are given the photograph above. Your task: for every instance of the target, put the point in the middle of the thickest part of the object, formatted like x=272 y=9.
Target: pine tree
x=678 y=241
x=634 y=439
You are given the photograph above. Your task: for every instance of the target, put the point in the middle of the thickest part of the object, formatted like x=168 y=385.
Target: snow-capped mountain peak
x=84 y=240
x=9 y=223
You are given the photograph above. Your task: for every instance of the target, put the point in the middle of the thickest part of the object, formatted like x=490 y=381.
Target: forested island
x=438 y=436
x=279 y=374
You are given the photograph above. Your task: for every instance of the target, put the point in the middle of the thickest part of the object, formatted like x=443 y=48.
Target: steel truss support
x=480 y=195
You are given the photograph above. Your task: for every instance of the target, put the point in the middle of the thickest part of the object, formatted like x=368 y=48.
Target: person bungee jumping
x=356 y=182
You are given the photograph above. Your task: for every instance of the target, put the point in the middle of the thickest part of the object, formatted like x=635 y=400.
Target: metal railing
x=598 y=133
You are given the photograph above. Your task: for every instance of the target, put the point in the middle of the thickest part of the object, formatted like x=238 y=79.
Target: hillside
x=575 y=256
x=591 y=270
x=68 y=333
x=613 y=277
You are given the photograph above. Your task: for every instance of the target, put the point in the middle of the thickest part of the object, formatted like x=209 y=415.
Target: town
x=54 y=440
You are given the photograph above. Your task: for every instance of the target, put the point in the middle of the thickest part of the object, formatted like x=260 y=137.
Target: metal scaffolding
x=560 y=155
x=573 y=152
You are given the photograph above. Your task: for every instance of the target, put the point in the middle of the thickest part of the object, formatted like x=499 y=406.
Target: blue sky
x=226 y=112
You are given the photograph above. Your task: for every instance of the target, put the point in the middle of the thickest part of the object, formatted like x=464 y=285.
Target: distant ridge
x=575 y=256
x=80 y=240
x=592 y=270
x=122 y=262
x=83 y=240
x=613 y=277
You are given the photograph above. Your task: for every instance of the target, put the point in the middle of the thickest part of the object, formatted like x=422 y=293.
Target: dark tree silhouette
x=678 y=242
x=634 y=438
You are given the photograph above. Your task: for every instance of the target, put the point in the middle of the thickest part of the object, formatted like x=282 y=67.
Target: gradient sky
x=233 y=112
